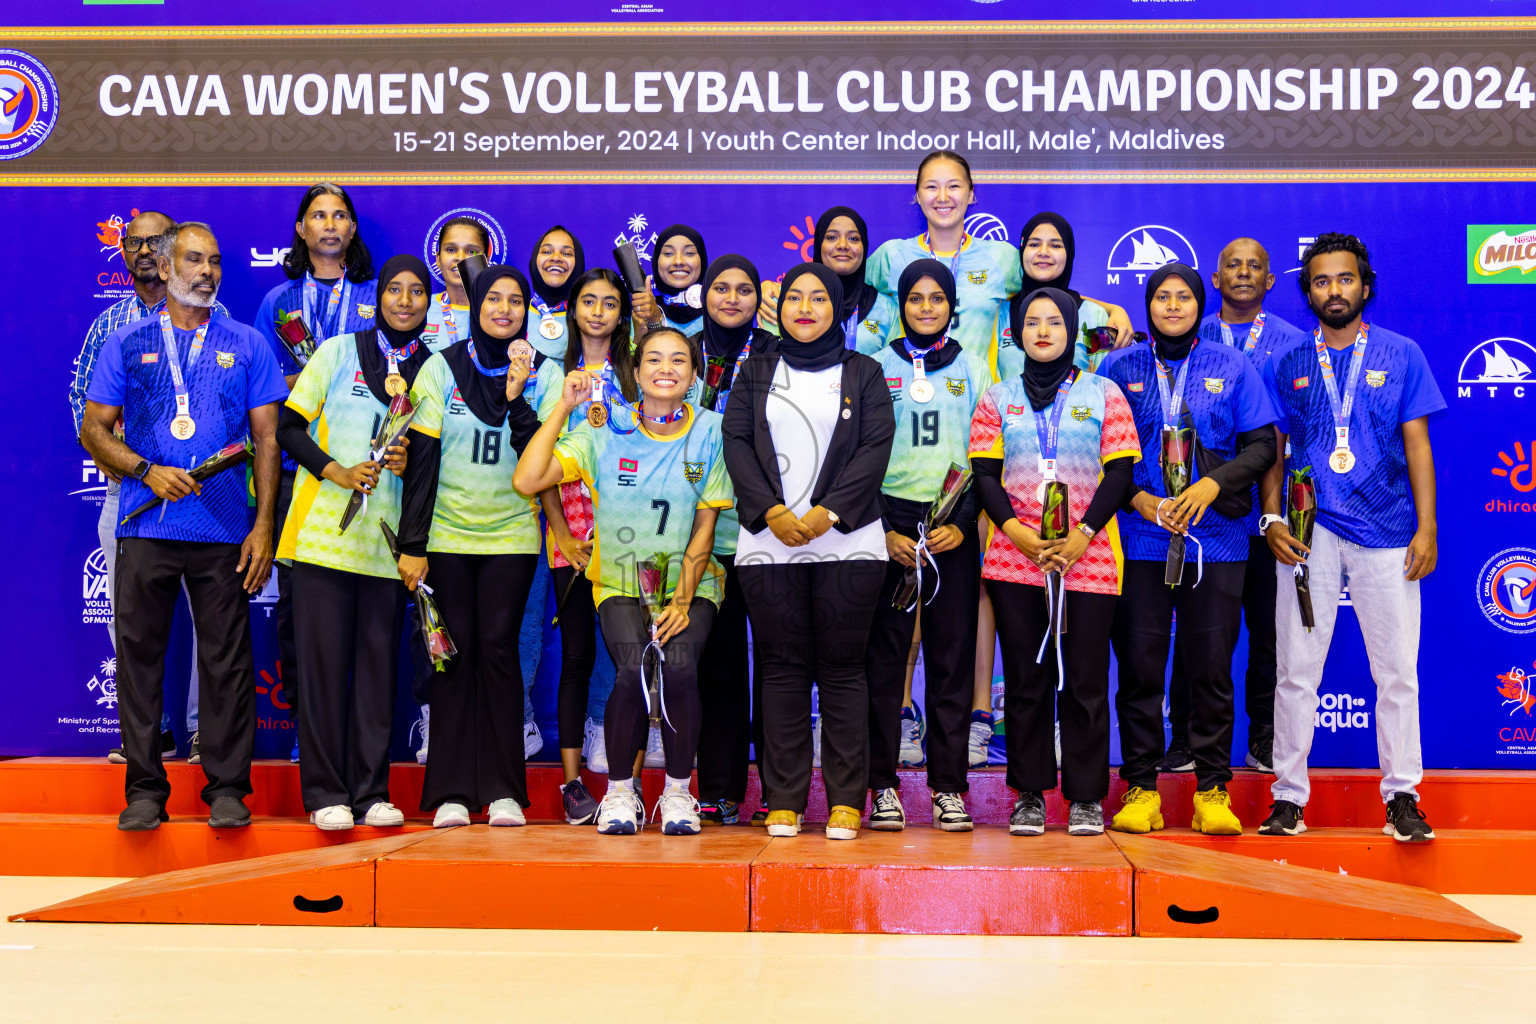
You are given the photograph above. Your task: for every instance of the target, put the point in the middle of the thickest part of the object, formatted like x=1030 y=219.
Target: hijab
x=551 y=295
x=858 y=295
x=1175 y=347
x=1043 y=378
x=375 y=366
x=486 y=395
x=676 y=307
x=727 y=342
x=915 y=272
x=1063 y=280
x=822 y=352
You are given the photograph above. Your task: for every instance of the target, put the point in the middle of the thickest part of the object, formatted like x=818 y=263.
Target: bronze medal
x=597 y=414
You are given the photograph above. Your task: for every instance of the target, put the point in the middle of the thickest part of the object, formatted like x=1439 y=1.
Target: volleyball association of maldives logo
x=1506 y=590
x=29 y=103
x=492 y=228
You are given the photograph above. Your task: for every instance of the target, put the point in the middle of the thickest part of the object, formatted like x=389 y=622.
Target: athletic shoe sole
x=1179 y=769
x=887 y=826
x=328 y=827
x=615 y=830
x=1301 y=826
x=1026 y=830
x=451 y=823
x=1085 y=830
x=784 y=831
x=842 y=833
x=1157 y=826
x=582 y=821
x=1391 y=830
x=229 y=822
x=955 y=826
x=507 y=822
x=679 y=828
x=1257 y=765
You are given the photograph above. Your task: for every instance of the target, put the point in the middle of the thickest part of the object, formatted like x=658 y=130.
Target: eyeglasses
x=133 y=243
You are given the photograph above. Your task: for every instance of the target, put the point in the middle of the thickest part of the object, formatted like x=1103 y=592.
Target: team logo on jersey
x=29 y=103
x=1081 y=412
x=364 y=311
x=150 y=357
x=874 y=327
x=1300 y=382
x=1215 y=384
x=1506 y=590
x=955 y=386
x=1135 y=386
x=224 y=359
x=976 y=276
x=693 y=472
x=627 y=470
x=1375 y=378
x=498 y=237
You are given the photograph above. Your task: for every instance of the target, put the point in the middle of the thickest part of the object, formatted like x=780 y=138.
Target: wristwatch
x=1266 y=521
x=1086 y=530
x=833 y=517
x=141 y=470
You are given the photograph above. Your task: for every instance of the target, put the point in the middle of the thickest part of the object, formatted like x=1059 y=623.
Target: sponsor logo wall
x=1479 y=629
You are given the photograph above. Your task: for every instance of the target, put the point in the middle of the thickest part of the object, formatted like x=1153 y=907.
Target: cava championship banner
x=1159 y=139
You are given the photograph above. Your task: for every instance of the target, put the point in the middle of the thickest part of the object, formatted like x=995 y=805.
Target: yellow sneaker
x=783 y=823
x=843 y=823
x=1213 y=814
x=1142 y=813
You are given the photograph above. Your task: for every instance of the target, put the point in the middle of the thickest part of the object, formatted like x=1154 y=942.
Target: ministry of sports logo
x=493 y=228
x=29 y=104
x=104 y=682
x=1506 y=590
x=1143 y=249
x=635 y=234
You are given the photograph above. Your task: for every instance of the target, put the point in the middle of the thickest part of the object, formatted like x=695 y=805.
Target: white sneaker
x=655 y=756
x=386 y=815
x=816 y=742
x=335 y=818
x=910 y=752
x=621 y=813
x=679 y=813
x=506 y=812
x=533 y=740
x=980 y=741
x=594 y=747
x=420 y=725
x=449 y=816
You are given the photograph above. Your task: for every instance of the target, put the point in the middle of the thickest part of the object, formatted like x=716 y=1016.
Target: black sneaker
x=1028 y=817
x=1085 y=818
x=116 y=756
x=580 y=807
x=1284 y=820
x=719 y=812
x=228 y=812
x=1178 y=759
x=887 y=814
x=760 y=817
x=949 y=814
x=141 y=816
x=194 y=755
x=1261 y=754
x=1405 y=822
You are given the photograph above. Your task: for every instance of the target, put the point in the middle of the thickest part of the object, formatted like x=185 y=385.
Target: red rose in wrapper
x=396 y=422
x=1053 y=516
x=1301 y=504
x=714 y=374
x=1098 y=339
x=296 y=335
x=1177 y=459
x=653 y=582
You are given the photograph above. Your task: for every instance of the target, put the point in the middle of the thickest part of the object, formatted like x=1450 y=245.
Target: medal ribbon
x=1341 y=409
x=445 y=308
x=1254 y=330
x=1172 y=406
x=341 y=297
x=499 y=372
x=546 y=311
x=183 y=400
x=393 y=356
x=1048 y=428
x=919 y=356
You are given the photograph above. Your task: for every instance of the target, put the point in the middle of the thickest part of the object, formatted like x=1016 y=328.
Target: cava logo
x=96 y=591
x=1506 y=590
x=29 y=103
x=1144 y=249
x=1498 y=363
x=1500 y=253
x=104 y=683
x=492 y=228
x=1517 y=692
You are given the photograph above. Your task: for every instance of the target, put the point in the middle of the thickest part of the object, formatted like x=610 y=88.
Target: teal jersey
x=343 y=415
x=930 y=436
x=477 y=511
x=645 y=490
x=987 y=274
x=446 y=323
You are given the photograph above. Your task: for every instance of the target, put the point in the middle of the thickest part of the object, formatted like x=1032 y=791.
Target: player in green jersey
x=656 y=473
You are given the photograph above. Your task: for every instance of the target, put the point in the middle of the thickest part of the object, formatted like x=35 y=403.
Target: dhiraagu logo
x=1501 y=253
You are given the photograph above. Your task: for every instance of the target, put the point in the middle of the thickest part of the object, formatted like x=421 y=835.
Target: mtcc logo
x=1143 y=249
x=1502 y=365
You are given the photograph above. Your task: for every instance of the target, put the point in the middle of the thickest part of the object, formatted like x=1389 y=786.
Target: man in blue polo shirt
x=187 y=382
x=1243 y=279
x=1354 y=402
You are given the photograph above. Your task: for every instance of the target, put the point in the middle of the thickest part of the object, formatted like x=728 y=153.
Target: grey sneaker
x=1028 y=817
x=888 y=814
x=228 y=812
x=949 y=813
x=580 y=807
x=1086 y=818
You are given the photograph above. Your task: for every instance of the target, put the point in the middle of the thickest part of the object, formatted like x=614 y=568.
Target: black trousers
x=1208 y=621
x=949 y=659
x=1259 y=684
x=147 y=581
x=810 y=622
x=626 y=723
x=288 y=662
x=477 y=700
x=578 y=655
x=347 y=629
x=725 y=693
x=1031 y=702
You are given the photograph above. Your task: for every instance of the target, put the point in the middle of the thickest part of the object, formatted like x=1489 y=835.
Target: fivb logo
x=1340 y=711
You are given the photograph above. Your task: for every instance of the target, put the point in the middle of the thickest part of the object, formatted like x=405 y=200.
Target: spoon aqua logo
x=29 y=104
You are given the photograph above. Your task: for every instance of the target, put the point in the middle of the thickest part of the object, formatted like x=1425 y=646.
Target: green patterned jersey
x=477 y=511
x=343 y=416
x=932 y=435
x=645 y=490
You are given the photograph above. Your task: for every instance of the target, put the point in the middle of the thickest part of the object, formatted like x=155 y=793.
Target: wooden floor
x=171 y=973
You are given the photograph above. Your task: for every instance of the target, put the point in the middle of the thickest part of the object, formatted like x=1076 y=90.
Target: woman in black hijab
x=808 y=432
x=1047 y=248
x=480 y=539
x=676 y=284
x=556 y=262
x=1024 y=448
x=727 y=339
x=348 y=604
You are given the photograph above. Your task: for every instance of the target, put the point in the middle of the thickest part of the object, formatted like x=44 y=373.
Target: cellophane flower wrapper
x=1055 y=521
x=297 y=337
x=1177 y=461
x=956 y=480
x=228 y=457
x=1301 y=516
x=653 y=584
x=396 y=422
x=1098 y=339
x=434 y=632
x=714 y=376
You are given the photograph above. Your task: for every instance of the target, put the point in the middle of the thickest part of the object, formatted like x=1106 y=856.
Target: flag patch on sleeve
x=1300 y=382
x=149 y=357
